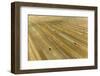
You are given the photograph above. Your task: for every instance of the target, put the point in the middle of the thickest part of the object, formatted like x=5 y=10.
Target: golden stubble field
x=57 y=37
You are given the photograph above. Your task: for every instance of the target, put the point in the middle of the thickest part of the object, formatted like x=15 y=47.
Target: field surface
x=57 y=37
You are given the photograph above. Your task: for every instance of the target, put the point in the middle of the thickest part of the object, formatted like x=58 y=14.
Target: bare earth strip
x=57 y=37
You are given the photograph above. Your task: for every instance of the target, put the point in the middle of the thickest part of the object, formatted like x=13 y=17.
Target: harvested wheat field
x=57 y=37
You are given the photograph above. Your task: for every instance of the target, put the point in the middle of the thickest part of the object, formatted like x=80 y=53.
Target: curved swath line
x=31 y=55
x=36 y=41
x=33 y=50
